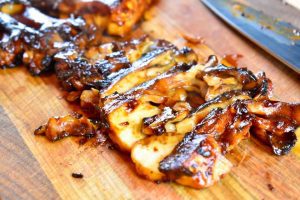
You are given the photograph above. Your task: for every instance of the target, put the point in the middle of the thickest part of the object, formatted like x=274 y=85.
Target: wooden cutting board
x=33 y=168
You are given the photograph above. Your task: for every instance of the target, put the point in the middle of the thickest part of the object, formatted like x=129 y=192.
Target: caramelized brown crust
x=193 y=160
x=229 y=126
x=279 y=133
x=198 y=154
x=156 y=85
x=275 y=124
x=269 y=108
x=60 y=127
x=117 y=17
x=32 y=38
x=100 y=67
x=126 y=15
x=196 y=161
x=178 y=118
x=222 y=79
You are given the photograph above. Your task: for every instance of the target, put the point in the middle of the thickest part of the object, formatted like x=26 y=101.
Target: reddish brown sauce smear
x=193 y=39
x=131 y=105
x=231 y=59
x=270 y=187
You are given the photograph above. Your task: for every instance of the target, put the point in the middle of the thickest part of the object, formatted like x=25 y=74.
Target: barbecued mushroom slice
x=222 y=101
x=70 y=125
x=168 y=119
x=35 y=38
x=154 y=149
x=226 y=126
x=126 y=112
x=223 y=79
x=271 y=108
x=118 y=17
x=126 y=15
x=275 y=123
x=78 y=70
x=118 y=67
x=263 y=89
x=156 y=60
x=11 y=45
x=226 y=85
x=196 y=161
x=279 y=133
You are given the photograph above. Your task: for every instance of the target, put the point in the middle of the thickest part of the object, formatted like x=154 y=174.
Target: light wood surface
x=33 y=168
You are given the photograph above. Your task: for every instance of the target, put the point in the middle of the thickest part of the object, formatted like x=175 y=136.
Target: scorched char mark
x=34 y=38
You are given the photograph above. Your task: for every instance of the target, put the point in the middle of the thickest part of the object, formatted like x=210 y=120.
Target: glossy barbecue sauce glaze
x=212 y=106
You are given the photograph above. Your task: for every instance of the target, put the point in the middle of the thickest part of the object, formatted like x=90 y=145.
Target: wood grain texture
x=30 y=101
x=21 y=174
